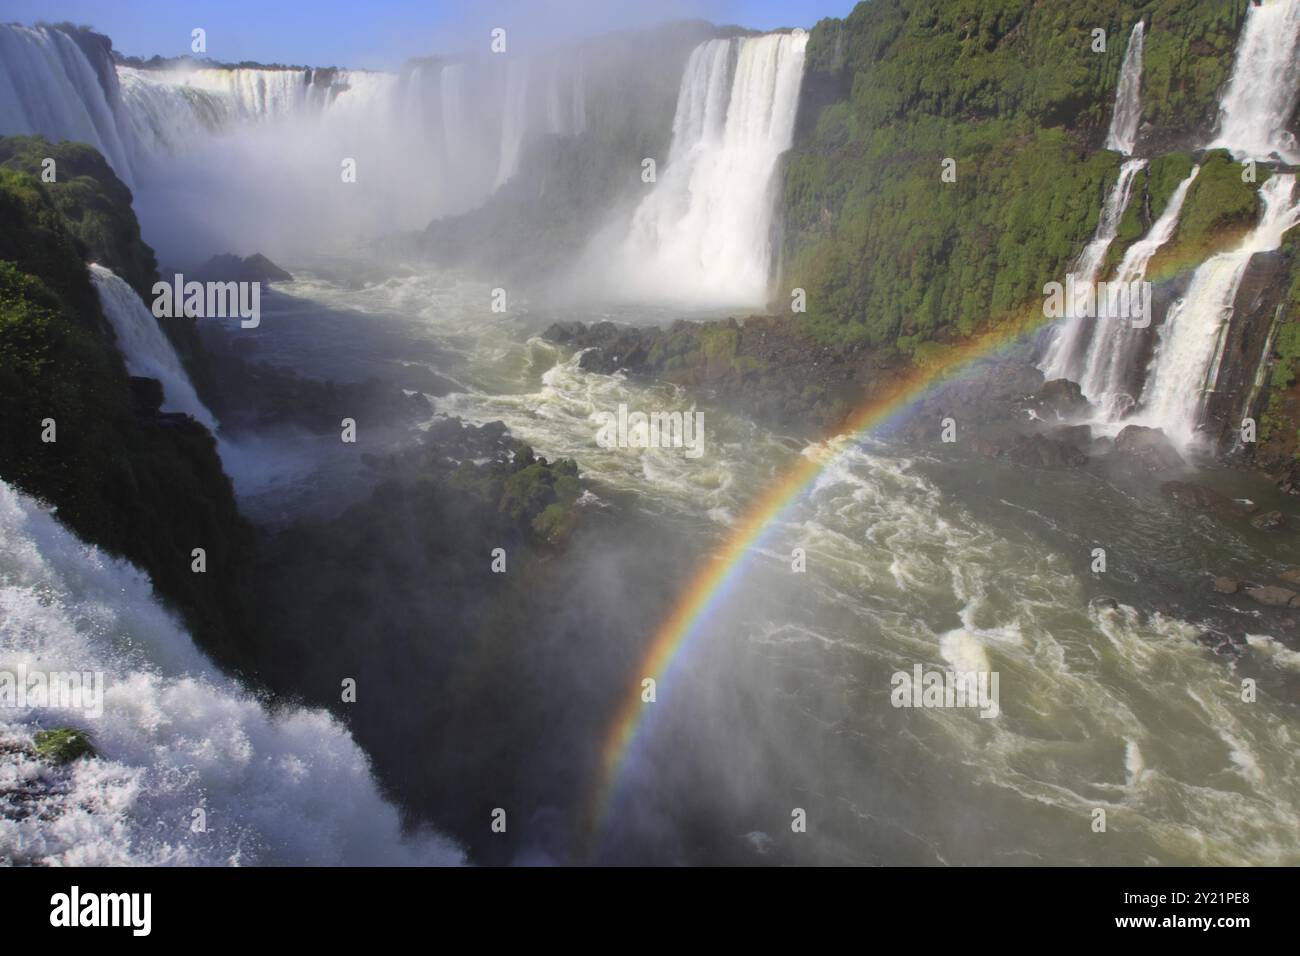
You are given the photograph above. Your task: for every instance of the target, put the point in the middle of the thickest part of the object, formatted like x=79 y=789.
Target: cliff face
x=899 y=261
x=891 y=254
x=1276 y=403
x=137 y=482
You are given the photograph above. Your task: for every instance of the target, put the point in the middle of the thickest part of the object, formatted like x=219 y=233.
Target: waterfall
x=703 y=234
x=287 y=786
x=215 y=156
x=1262 y=94
x=1128 y=102
x=1185 y=364
x=49 y=87
x=1111 y=353
x=565 y=101
x=514 y=120
x=1064 y=352
x=144 y=347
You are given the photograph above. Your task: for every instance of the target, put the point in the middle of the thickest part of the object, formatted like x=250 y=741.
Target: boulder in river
x=1269 y=521
x=1149 y=448
x=1060 y=399
x=1200 y=498
x=1271 y=596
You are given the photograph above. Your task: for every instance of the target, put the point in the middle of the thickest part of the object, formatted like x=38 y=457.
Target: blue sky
x=380 y=34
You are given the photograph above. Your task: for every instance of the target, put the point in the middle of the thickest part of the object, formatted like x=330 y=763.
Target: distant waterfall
x=1065 y=351
x=1262 y=94
x=1108 y=366
x=514 y=120
x=703 y=235
x=1185 y=364
x=144 y=346
x=215 y=155
x=286 y=786
x=1128 y=103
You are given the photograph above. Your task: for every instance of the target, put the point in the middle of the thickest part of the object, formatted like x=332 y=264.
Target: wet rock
x=1036 y=450
x=228 y=268
x=1059 y=399
x=1080 y=436
x=1291 y=576
x=1149 y=448
x=1269 y=521
x=1200 y=498
x=1271 y=596
x=1227 y=585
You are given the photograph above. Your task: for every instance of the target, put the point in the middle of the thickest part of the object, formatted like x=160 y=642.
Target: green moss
x=1152 y=189
x=1220 y=208
x=64 y=744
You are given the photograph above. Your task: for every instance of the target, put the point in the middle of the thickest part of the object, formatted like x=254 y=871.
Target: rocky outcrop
x=765 y=365
x=77 y=432
x=1146 y=448
x=229 y=268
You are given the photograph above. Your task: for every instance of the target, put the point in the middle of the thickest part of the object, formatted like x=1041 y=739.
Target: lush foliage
x=892 y=255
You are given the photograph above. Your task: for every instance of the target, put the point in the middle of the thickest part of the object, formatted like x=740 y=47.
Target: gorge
x=903 y=463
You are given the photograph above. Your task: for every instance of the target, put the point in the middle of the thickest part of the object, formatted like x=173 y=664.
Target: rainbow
x=717 y=576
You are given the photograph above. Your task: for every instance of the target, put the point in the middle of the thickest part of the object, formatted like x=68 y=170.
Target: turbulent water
x=910 y=560
x=1066 y=349
x=1262 y=95
x=1122 y=135
x=783 y=698
x=277 y=786
x=703 y=235
x=1186 y=361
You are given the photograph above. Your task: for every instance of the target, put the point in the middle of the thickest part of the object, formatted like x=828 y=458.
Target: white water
x=1185 y=363
x=48 y=86
x=902 y=568
x=1122 y=135
x=1065 y=351
x=1262 y=94
x=1104 y=380
x=703 y=235
x=145 y=347
x=284 y=786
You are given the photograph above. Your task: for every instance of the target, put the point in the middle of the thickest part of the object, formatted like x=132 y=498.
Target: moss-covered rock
x=1219 y=210
x=64 y=744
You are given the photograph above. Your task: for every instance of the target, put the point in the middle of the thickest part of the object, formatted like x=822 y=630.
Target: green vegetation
x=64 y=744
x=1279 y=426
x=1218 y=211
x=123 y=477
x=92 y=203
x=890 y=254
x=1152 y=189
